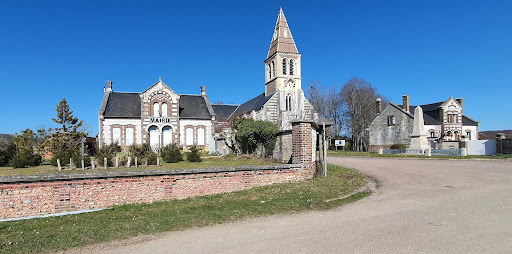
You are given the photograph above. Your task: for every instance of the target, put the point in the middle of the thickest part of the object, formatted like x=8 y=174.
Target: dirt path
x=422 y=206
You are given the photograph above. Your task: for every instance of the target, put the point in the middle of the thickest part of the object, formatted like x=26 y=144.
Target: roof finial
x=160 y=79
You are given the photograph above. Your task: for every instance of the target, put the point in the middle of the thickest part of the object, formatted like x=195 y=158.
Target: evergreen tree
x=65 y=140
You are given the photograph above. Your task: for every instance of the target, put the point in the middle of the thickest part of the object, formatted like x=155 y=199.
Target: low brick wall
x=22 y=196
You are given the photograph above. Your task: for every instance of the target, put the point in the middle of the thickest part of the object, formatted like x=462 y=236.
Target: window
x=129 y=136
x=156 y=110
x=167 y=132
x=164 y=109
x=291 y=67
x=273 y=70
x=116 y=136
x=455 y=118
x=391 y=120
x=288 y=103
x=468 y=133
x=200 y=137
x=457 y=137
x=189 y=137
x=284 y=66
x=154 y=138
x=269 y=72
x=432 y=134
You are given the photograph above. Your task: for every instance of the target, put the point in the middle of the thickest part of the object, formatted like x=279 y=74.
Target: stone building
x=160 y=116
x=444 y=121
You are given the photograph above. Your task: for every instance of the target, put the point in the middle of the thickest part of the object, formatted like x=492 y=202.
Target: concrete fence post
x=105 y=162
x=58 y=164
x=83 y=164
x=129 y=162
x=70 y=163
x=136 y=162
x=117 y=162
x=93 y=166
x=146 y=162
x=157 y=162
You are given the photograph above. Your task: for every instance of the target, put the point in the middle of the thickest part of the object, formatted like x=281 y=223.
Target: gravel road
x=422 y=206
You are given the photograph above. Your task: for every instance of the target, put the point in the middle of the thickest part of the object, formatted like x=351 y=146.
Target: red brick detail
x=302 y=146
x=40 y=198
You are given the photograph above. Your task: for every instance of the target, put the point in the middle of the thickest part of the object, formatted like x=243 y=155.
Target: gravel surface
x=422 y=206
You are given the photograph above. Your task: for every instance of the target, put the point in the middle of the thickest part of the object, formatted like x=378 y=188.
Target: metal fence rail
x=448 y=152
x=434 y=152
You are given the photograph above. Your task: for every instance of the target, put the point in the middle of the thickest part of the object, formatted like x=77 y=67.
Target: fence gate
x=482 y=147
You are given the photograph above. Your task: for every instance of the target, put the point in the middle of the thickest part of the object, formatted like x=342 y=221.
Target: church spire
x=282 y=40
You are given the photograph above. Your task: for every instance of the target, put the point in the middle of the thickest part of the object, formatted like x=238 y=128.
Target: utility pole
x=325 y=152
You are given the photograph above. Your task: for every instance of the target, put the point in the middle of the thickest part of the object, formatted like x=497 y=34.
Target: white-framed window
x=156 y=110
x=154 y=138
x=288 y=103
x=273 y=70
x=116 y=136
x=189 y=136
x=391 y=120
x=284 y=66
x=200 y=137
x=164 y=109
x=129 y=136
x=292 y=63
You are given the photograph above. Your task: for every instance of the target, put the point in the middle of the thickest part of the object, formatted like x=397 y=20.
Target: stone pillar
x=302 y=146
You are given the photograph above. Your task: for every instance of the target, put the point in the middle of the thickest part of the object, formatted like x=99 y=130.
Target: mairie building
x=160 y=116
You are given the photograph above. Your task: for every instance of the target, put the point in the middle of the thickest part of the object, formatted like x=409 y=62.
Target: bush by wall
x=171 y=154
x=194 y=155
x=26 y=157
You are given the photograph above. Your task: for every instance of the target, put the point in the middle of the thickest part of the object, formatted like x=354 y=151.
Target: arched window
x=269 y=71
x=273 y=70
x=288 y=102
x=284 y=66
x=129 y=136
x=156 y=110
x=154 y=138
x=200 y=137
x=164 y=109
x=167 y=132
x=292 y=71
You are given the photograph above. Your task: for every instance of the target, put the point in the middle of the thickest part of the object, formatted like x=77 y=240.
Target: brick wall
x=22 y=196
x=302 y=145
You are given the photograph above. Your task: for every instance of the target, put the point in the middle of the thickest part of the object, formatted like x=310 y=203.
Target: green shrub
x=194 y=155
x=26 y=157
x=7 y=153
x=77 y=160
x=108 y=152
x=171 y=154
x=63 y=156
x=143 y=152
x=398 y=146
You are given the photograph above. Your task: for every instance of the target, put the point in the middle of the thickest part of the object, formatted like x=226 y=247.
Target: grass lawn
x=225 y=161
x=370 y=154
x=121 y=222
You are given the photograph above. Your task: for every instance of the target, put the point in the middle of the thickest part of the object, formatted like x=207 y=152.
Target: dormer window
x=284 y=66
x=292 y=71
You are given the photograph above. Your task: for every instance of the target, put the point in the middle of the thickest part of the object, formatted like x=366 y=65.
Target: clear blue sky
x=426 y=49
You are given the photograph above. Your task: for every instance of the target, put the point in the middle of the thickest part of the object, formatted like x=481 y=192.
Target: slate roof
x=223 y=112
x=252 y=104
x=123 y=105
x=193 y=107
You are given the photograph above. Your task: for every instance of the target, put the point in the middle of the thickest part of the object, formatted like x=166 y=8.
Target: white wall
x=482 y=147
x=107 y=129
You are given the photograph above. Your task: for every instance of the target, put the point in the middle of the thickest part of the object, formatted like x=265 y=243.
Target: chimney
x=460 y=101
x=406 y=102
x=203 y=90
x=378 y=104
x=109 y=86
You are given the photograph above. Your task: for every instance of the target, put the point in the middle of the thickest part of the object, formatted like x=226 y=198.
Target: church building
x=159 y=116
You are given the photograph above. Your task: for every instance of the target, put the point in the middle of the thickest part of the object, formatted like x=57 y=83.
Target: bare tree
x=358 y=98
x=327 y=103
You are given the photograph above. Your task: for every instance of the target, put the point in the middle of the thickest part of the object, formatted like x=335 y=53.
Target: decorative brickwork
x=22 y=196
x=302 y=145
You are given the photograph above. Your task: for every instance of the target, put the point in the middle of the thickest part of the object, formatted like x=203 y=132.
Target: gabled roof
x=431 y=114
x=252 y=104
x=194 y=107
x=223 y=111
x=282 y=40
x=123 y=105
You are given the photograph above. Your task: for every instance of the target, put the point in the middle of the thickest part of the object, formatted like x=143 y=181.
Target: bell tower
x=283 y=65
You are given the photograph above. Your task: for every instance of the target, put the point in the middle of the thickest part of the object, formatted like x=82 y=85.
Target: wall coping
x=137 y=173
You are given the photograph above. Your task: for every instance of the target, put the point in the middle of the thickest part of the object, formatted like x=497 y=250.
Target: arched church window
x=273 y=70
x=284 y=66
x=292 y=71
x=269 y=71
x=164 y=109
x=288 y=102
x=156 y=110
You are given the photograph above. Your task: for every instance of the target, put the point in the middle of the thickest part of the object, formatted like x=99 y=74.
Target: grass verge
x=225 y=161
x=121 y=222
